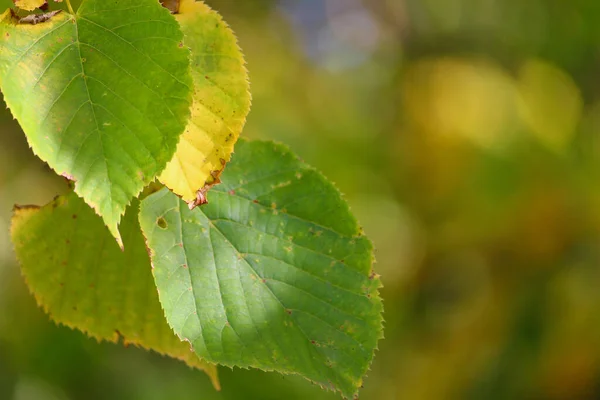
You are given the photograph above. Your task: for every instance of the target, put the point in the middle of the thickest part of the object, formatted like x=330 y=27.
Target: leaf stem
x=70 y=8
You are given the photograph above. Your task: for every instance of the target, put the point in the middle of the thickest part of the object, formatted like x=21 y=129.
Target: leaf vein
x=136 y=49
x=27 y=50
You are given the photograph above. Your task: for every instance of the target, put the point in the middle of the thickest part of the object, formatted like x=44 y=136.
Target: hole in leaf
x=162 y=223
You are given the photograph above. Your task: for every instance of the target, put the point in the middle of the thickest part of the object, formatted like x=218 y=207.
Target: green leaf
x=83 y=280
x=102 y=96
x=273 y=273
x=221 y=102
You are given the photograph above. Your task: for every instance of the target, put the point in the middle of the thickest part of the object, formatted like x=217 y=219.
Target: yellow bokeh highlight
x=461 y=98
x=550 y=103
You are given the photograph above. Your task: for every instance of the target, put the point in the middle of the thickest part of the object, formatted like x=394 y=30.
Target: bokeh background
x=465 y=136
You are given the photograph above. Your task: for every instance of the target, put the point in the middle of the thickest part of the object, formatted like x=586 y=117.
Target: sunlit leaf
x=221 y=101
x=102 y=96
x=83 y=280
x=29 y=5
x=273 y=273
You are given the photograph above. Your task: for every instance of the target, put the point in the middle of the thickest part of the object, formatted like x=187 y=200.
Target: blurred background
x=464 y=134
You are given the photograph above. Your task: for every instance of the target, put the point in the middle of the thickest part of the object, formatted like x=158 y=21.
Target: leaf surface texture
x=273 y=273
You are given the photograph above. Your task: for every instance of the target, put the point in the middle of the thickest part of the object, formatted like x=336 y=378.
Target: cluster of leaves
x=268 y=270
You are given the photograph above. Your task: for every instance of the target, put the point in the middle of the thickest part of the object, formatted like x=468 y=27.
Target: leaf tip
x=114 y=231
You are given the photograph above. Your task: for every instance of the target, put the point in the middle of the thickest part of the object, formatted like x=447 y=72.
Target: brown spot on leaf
x=201 y=198
x=67 y=176
x=171 y=5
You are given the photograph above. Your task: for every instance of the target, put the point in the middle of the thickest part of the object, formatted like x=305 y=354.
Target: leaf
x=29 y=5
x=102 y=96
x=273 y=273
x=221 y=101
x=84 y=281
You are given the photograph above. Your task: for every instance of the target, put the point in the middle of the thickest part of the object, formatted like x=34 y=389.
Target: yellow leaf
x=29 y=5
x=220 y=104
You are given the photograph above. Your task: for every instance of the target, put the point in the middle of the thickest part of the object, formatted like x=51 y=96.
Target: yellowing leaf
x=29 y=5
x=221 y=102
x=83 y=281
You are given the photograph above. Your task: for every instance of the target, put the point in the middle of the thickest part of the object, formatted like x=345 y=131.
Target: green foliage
x=274 y=273
x=102 y=95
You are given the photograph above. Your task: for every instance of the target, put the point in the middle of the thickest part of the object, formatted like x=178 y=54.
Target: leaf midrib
x=110 y=191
